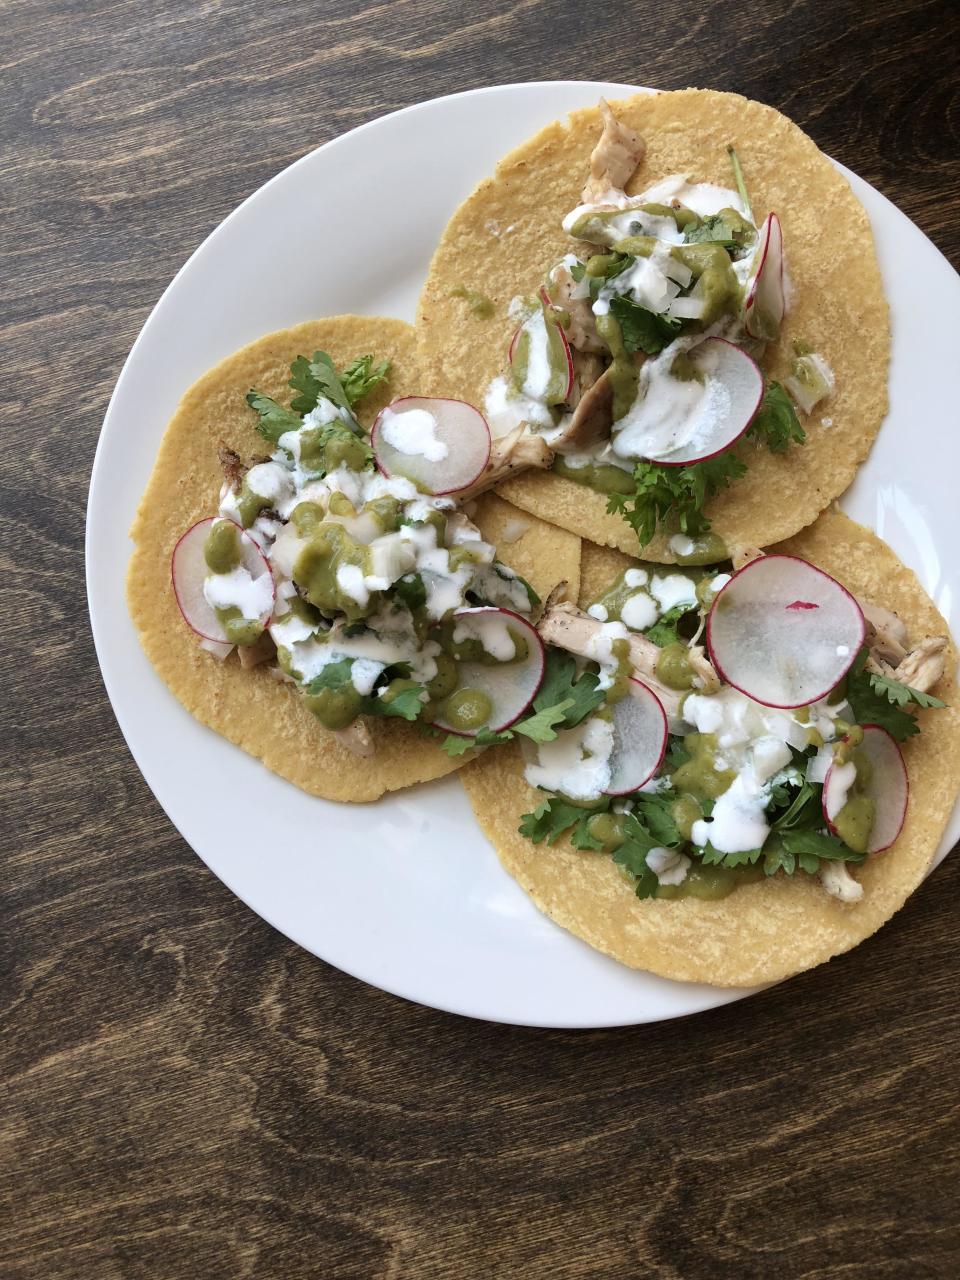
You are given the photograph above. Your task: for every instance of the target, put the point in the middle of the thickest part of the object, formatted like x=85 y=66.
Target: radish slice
x=639 y=739
x=766 y=303
x=548 y=371
x=510 y=686
x=887 y=786
x=188 y=569
x=784 y=632
x=441 y=445
x=679 y=422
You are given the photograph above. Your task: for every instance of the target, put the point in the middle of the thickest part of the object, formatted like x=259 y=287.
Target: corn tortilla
x=766 y=931
x=266 y=718
x=505 y=237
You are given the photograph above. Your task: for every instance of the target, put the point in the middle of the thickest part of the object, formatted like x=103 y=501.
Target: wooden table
x=187 y=1094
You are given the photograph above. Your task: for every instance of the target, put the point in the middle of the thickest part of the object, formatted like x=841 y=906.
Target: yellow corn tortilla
x=781 y=926
x=543 y=554
x=266 y=718
x=505 y=237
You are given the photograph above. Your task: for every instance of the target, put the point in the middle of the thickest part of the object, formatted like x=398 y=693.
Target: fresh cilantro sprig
x=676 y=494
x=776 y=423
x=880 y=700
x=632 y=856
x=361 y=376
x=790 y=851
x=901 y=694
x=274 y=420
x=310 y=379
x=554 y=817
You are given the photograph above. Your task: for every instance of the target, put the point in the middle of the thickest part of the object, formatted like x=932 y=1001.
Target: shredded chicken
x=519 y=450
x=568 y=627
x=587 y=369
x=251 y=655
x=558 y=593
x=742 y=556
x=582 y=329
x=702 y=670
x=615 y=157
x=356 y=738
x=923 y=666
x=233 y=468
x=886 y=634
x=591 y=420
x=839 y=883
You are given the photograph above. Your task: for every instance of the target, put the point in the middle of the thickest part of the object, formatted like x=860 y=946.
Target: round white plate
x=406 y=893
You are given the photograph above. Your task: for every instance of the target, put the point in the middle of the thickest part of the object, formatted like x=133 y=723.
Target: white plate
x=406 y=894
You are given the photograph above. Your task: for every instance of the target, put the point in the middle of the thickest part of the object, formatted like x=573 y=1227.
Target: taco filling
x=770 y=750
x=638 y=361
x=344 y=562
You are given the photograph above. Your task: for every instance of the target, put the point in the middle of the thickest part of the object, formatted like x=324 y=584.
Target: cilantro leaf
x=335 y=675
x=361 y=376
x=712 y=857
x=605 y=267
x=900 y=694
x=664 y=630
x=405 y=703
x=777 y=858
x=578 y=270
x=632 y=856
x=643 y=330
x=274 y=419
x=561 y=683
x=542 y=726
x=656 y=811
x=677 y=754
x=410 y=591
x=552 y=818
x=307 y=387
x=564 y=699
x=324 y=375
x=719 y=228
x=674 y=493
x=776 y=423
x=873 y=706
x=804 y=806
x=812 y=847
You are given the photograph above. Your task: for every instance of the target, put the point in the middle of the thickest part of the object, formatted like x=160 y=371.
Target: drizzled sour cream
x=413 y=432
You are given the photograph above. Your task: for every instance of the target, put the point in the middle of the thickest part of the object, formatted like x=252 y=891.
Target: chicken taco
x=751 y=766
x=306 y=579
x=678 y=298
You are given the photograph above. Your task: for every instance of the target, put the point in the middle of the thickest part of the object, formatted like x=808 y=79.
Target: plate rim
x=718 y=996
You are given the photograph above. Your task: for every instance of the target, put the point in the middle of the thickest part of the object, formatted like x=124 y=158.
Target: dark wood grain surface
x=187 y=1094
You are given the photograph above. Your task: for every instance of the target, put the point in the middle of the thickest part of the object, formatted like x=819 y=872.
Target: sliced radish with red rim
x=440 y=445
x=731 y=388
x=510 y=686
x=766 y=301
x=547 y=362
x=639 y=739
x=784 y=632
x=188 y=570
x=886 y=785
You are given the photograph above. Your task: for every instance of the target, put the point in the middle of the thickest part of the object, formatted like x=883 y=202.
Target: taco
x=737 y=813
x=680 y=296
x=316 y=609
